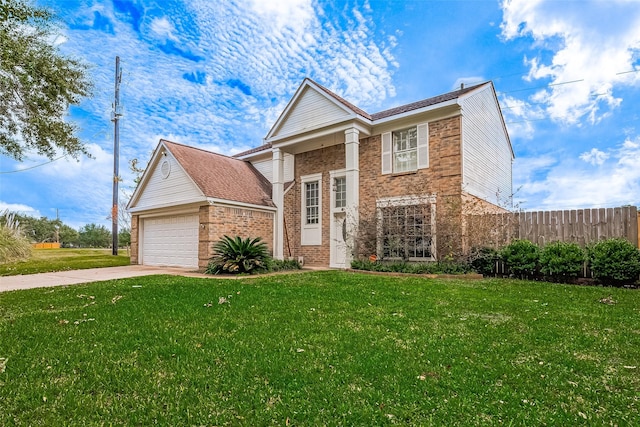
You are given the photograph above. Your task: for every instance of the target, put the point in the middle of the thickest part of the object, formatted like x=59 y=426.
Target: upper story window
x=405 y=150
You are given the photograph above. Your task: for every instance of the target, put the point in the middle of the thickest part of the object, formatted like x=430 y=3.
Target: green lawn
x=322 y=348
x=47 y=260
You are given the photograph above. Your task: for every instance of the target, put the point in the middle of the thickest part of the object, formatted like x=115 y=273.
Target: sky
x=217 y=74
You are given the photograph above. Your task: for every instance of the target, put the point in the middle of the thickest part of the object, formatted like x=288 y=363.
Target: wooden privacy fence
x=582 y=226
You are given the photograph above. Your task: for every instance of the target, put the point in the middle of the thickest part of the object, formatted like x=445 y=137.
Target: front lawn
x=47 y=260
x=322 y=348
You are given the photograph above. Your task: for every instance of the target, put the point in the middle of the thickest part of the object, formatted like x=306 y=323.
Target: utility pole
x=116 y=147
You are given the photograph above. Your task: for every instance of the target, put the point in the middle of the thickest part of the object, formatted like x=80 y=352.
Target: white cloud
x=163 y=28
x=588 y=52
x=19 y=208
x=594 y=157
x=565 y=183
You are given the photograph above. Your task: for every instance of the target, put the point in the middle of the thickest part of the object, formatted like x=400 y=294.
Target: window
x=405 y=231
x=340 y=188
x=405 y=150
x=312 y=202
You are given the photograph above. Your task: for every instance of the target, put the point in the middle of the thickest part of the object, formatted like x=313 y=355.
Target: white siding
x=487 y=154
x=265 y=167
x=312 y=109
x=174 y=189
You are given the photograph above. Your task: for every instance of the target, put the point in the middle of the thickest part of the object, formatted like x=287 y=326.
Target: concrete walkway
x=72 y=277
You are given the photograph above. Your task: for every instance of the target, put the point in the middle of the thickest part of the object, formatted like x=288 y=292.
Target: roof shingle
x=222 y=177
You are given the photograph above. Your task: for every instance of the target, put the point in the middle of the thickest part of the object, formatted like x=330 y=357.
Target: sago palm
x=237 y=255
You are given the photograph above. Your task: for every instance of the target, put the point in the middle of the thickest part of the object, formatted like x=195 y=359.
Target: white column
x=278 y=200
x=352 y=174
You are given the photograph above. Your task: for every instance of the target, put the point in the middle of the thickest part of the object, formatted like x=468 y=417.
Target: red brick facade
x=217 y=221
x=443 y=178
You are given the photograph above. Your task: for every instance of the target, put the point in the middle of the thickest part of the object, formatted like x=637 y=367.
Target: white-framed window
x=405 y=150
x=406 y=228
x=312 y=202
x=340 y=190
x=311 y=212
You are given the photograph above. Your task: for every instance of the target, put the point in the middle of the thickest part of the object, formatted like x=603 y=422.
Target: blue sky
x=216 y=74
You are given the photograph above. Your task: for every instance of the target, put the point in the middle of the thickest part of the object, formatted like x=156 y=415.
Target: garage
x=170 y=241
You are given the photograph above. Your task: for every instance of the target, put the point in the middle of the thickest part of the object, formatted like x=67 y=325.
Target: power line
x=33 y=167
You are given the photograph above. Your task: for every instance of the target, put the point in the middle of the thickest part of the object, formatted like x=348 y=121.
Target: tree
x=37 y=85
x=68 y=236
x=95 y=236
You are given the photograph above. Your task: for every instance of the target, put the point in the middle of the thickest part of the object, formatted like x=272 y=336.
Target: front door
x=338 y=240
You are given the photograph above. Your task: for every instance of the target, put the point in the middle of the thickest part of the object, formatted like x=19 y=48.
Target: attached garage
x=188 y=199
x=170 y=241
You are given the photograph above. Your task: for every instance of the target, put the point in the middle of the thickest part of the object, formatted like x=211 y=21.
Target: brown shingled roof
x=254 y=150
x=424 y=103
x=222 y=177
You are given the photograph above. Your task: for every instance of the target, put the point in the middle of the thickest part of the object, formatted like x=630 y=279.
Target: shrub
x=235 y=256
x=521 y=257
x=562 y=260
x=14 y=246
x=273 y=265
x=483 y=260
x=614 y=260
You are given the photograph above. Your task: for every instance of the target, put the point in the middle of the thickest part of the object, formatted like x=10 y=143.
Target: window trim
x=388 y=152
x=406 y=201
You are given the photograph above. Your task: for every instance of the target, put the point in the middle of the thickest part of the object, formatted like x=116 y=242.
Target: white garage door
x=171 y=240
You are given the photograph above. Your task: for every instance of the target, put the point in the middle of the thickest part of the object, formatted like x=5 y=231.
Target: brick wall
x=322 y=160
x=217 y=221
x=443 y=178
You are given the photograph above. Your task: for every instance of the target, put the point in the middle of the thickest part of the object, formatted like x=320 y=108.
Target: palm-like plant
x=237 y=255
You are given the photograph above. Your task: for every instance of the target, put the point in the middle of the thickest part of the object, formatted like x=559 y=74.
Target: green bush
x=614 y=261
x=521 y=257
x=483 y=260
x=237 y=255
x=273 y=265
x=14 y=246
x=562 y=260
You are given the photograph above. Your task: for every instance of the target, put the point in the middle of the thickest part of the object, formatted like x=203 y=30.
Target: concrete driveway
x=72 y=277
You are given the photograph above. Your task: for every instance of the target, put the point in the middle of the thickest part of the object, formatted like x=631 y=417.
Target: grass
x=321 y=348
x=48 y=260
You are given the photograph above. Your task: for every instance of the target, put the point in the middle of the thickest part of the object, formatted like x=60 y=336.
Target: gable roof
x=222 y=177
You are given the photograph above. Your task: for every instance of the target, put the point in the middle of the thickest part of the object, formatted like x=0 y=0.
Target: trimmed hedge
x=614 y=261
x=562 y=260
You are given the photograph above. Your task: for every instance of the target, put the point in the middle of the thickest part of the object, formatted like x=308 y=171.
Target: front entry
x=338 y=240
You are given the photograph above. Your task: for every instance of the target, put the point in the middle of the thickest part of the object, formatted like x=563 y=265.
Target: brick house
x=332 y=182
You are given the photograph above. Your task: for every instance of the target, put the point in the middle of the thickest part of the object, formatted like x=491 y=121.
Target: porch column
x=278 y=200
x=352 y=175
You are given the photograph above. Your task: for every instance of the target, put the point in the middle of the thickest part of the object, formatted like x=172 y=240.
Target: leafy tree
x=68 y=236
x=37 y=85
x=95 y=236
x=40 y=229
x=124 y=237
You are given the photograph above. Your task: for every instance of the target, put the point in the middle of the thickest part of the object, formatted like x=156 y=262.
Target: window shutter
x=387 y=155
x=423 y=146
